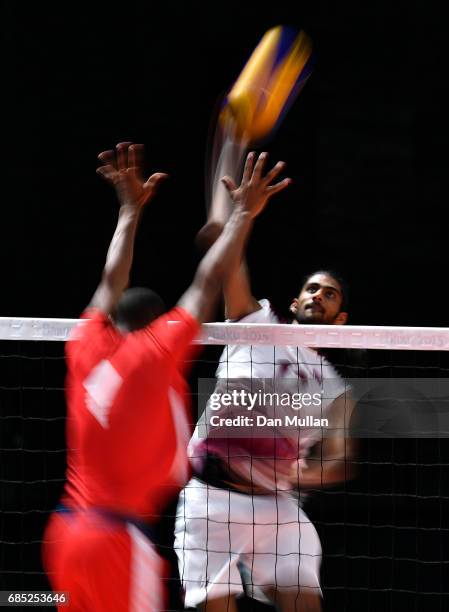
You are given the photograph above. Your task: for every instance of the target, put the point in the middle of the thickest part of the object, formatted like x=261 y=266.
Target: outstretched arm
x=239 y=300
x=249 y=199
x=123 y=170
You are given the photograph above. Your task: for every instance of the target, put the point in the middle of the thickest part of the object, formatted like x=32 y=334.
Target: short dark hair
x=138 y=307
x=336 y=276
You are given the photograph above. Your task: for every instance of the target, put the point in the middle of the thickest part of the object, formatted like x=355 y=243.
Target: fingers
x=229 y=183
x=135 y=158
x=122 y=155
x=279 y=186
x=107 y=158
x=155 y=180
x=117 y=159
x=157 y=177
x=248 y=170
x=108 y=168
x=256 y=174
x=259 y=165
x=126 y=156
x=151 y=187
x=274 y=172
x=107 y=172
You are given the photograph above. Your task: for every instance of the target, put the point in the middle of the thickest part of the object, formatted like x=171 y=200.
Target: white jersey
x=261 y=456
x=264 y=361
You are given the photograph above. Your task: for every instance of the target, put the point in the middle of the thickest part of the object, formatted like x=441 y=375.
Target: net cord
x=314 y=336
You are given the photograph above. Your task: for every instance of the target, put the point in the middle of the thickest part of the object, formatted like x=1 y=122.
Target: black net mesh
x=385 y=533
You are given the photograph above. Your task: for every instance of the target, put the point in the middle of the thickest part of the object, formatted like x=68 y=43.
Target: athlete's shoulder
x=91 y=321
x=93 y=337
x=170 y=333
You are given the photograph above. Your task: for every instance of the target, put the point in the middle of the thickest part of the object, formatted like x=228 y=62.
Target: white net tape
x=324 y=336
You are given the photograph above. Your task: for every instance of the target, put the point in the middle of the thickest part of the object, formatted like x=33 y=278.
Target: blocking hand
x=255 y=190
x=123 y=168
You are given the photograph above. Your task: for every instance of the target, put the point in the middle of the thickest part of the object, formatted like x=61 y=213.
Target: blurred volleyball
x=272 y=78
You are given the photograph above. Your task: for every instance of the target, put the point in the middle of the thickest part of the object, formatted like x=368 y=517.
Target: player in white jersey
x=239 y=528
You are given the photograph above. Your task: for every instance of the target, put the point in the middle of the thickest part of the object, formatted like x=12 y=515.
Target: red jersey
x=128 y=423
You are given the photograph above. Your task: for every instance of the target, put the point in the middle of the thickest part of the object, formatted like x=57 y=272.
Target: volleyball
x=268 y=84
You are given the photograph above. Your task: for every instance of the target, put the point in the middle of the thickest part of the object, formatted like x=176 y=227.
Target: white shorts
x=225 y=539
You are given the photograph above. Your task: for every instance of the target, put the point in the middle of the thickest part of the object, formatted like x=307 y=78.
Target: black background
x=365 y=145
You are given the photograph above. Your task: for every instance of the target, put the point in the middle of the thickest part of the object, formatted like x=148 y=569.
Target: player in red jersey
x=127 y=427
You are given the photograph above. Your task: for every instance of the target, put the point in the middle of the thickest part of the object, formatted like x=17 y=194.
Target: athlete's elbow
x=210 y=274
x=208 y=282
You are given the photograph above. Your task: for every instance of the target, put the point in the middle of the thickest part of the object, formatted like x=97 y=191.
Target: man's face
x=319 y=302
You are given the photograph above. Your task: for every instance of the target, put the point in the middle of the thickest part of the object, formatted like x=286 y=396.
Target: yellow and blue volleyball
x=268 y=84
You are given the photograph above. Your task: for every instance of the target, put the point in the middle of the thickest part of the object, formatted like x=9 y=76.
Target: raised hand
x=255 y=190
x=123 y=168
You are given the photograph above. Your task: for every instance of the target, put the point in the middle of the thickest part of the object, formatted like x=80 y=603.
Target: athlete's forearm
x=120 y=253
x=202 y=295
x=249 y=199
x=236 y=284
x=227 y=251
x=229 y=164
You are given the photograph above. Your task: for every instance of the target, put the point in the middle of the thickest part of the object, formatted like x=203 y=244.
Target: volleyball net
x=384 y=533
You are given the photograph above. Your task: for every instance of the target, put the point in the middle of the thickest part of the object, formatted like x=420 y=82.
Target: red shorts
x=103 y=564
